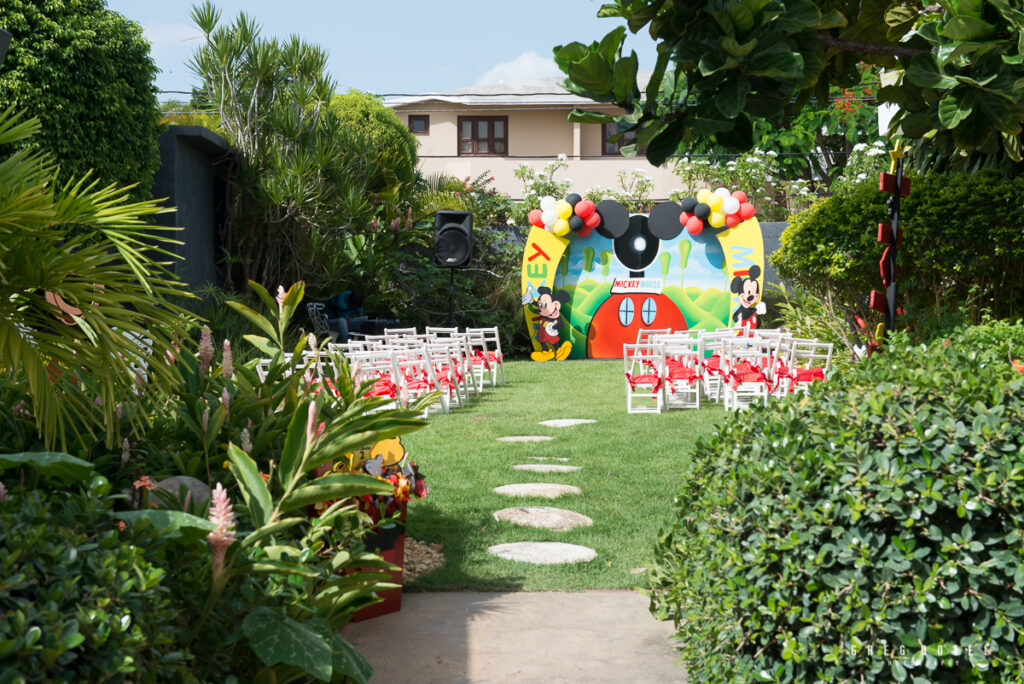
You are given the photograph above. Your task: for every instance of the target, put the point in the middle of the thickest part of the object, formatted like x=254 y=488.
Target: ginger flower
x=280 y=300
x=205 y=350
x=144 y=482
x=223 y=536
x=228 y=364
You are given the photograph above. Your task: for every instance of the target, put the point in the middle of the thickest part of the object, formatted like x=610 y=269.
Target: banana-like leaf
x=254 y=489
x=334 y=486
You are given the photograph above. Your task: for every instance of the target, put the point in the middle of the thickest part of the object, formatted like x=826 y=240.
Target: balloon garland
x=718 y=208
x=560 y=216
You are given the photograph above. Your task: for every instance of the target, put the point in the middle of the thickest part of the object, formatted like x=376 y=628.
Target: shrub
x=394 y=145
x=86 y=73
x=78 y=603
x=962 y=255
x=869 y=531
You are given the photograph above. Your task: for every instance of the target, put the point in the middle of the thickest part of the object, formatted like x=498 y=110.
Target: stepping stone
x=543 y=553
x=549 y=458
x=543 y=490
x=544 y=517
x=547 y=468
x=526 y=438
x=566 y=422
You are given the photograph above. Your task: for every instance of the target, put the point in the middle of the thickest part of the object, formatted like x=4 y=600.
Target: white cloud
x=526 y=67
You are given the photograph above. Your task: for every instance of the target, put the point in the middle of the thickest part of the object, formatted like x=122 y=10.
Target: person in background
x=345 y=313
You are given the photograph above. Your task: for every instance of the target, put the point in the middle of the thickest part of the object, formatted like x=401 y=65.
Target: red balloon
x=535 y=218
x=585 y=232
x=694 y=225
x=684 y=217
x=747 y=210
x=740 y=195
x=584 y=208
x=592 y=221
x=732 y=220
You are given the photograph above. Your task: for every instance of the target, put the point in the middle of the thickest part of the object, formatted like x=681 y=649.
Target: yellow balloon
x=714 y=201
x=563 y=209
x=717 y=218
x=702 y=195
x=562 y=227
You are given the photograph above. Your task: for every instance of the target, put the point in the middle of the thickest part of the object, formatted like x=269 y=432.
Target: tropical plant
x=867 y=532
x=85 y=72
x=537 y=184
x=298 y=170
x=722 y=66
x=84 y=310
x=393 y=144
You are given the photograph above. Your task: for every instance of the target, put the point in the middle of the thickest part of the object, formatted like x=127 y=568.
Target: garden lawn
x=630 y=473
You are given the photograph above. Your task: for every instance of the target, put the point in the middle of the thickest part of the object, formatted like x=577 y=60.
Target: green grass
x=631 y=464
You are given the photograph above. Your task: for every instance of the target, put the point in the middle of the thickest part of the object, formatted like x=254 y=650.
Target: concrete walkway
x=450 y=637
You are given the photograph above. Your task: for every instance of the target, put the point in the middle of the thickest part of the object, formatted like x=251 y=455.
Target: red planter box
x=392 y=549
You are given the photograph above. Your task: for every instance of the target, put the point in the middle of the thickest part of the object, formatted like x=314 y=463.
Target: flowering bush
x=537 y=184
x=490 y=206
x=864 y=165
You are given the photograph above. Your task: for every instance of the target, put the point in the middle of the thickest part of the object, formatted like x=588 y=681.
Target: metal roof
x=546 y=91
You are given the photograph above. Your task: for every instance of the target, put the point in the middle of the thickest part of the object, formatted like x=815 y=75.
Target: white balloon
x=547 y=204
x=730 y=205
x=724 y=192
x=548 y=216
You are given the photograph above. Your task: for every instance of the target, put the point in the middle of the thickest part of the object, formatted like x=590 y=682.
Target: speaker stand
x=451 y=298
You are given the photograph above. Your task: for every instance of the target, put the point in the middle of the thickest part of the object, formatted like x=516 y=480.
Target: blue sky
x=396 y=46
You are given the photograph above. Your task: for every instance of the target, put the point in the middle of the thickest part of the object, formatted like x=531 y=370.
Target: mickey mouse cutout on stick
x=744 y=284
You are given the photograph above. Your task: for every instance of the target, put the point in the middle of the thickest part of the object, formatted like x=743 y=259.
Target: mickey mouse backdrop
x=593 y=275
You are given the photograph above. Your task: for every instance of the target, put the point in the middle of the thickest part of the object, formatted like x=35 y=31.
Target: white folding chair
x=684 y=356
x=809 y=361
x=644 y=365
x=746 y=372
x=496 y=359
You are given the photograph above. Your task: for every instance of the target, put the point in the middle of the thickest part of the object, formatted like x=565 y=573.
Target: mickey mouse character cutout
x=548 y=305
x=745 y=285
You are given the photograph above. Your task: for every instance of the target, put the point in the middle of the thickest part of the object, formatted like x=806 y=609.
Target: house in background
x=497 y=128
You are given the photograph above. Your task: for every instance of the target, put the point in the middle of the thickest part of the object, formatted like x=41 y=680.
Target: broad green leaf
x=968 y=28
x=800 y=15
x=624 y=78
x=50 y=464
x=346 y=660
x=924 y=72
x=254 y=489
x=831 y=19
x=276 y=638
x=665 y=143
x=566 y=54
x=954 y=108
x=291 y=302
x=732 y=47
x=294 y=445
x=332 y=487
x=592 y=73
x=654 y=84
x=271 y=529
x=732 y=96
x=172 y=524
x=776 y=63
x=254 y=317
x=740 y=136
x=262 y=293
x=580 y=116
x=900 y=19
x=214 y=426
x=609 y=46
x=274 y=567
x=1013 y=147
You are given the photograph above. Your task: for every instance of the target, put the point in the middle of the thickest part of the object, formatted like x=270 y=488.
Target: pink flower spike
x=311 y=432
x=223 y=536
x=280 y=300
x=228 y=365
x=225 y=400
x=205 y=350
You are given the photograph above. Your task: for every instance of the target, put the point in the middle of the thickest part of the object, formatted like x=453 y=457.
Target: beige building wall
x=536 y=136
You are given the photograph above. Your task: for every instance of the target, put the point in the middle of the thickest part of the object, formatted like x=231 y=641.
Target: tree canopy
x=86 y=73
x=393 y=144
x=724 y=64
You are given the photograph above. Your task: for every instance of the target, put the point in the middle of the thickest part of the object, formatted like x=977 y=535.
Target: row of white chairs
x=666 y=369
x=403 y=364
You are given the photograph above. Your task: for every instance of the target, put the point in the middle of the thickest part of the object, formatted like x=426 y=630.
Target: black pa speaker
x=5 y=41
x=453 y=238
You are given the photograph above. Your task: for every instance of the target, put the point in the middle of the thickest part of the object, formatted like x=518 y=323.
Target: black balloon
x=688 y=203
x=573 y=199
x=701 y=211
x=576 y=223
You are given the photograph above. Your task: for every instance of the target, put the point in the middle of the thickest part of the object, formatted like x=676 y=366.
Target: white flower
x=562 y=156
x=772 y=153
x=858 y=147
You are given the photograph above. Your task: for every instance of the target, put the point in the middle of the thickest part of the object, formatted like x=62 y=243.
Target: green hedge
x=963 y=250
x=870 y=531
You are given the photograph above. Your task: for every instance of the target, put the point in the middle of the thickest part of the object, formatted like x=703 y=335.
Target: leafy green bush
x=86 y=73
x=870 y=531
x=962 y=256
x=78 y=602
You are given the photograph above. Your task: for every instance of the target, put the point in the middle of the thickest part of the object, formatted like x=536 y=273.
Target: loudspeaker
x=5 y=41
x=453 y=238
